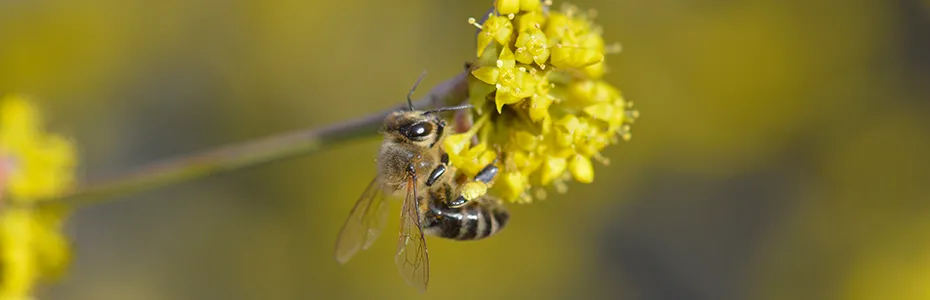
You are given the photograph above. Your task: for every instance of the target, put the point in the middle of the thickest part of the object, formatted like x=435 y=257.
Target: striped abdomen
x=477 y=219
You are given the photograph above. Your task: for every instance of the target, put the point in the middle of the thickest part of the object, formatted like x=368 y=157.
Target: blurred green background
x=781 y=152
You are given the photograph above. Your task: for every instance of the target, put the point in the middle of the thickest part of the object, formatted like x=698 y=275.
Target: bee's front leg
x=438 y=171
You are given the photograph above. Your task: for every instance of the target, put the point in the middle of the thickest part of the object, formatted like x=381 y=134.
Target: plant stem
x=251 y=153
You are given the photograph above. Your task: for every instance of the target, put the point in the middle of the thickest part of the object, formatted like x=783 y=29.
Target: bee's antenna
x=414 y=88
x=450 y=108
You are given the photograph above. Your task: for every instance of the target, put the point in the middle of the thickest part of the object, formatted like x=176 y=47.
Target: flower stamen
x=474 y=22
x=614 y=48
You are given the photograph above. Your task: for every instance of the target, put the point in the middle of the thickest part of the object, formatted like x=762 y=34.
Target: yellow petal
x=483 y=40
x=490 y=56
x=546 y=125
x=506 y=59
x=489 y=75
x=505 y=7
x=552 y=169
x=523 y=55
x=573 y=57
x=601 y=111
x=596 y=71
x=539 y=107
x=526 y=140
x=581 y=168
x=469 y=161
x=478 y=92
x=530 y=20
x=569 y=122
x=592 y=41
x=591 y=91
x=485 y=158
x=592 y=148
x=564 y=138
x=525 y=161
x=511 y=185
x=531 y=5
x=477 y=150
x=541 y=56
x=498 y=27
x=557 y=25
x=526 y=85
x=504 y=98
x=455 y=144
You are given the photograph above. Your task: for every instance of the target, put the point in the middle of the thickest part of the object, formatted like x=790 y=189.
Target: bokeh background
x=781 y=153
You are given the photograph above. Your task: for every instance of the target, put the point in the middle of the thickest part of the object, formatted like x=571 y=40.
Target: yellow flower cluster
x=33 y=165
x=539 y=100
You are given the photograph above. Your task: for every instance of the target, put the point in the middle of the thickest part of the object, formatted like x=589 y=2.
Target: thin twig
x=252 y=153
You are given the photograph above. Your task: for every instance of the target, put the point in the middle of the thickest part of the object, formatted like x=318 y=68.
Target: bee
x=433 y=204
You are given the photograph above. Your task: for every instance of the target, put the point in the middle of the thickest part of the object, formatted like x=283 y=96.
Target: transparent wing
x=365 y=222
x=412 y=259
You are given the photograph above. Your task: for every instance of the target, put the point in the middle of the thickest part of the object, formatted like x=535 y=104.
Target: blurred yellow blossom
x=540 y=100
x=515 y=6
x=33 y=165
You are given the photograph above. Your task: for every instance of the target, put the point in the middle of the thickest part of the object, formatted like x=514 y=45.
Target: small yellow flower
x=512 y=83
x=532 y=46
x=541 y=100
x=561 y=113
x=33 y=165
x=496 y=28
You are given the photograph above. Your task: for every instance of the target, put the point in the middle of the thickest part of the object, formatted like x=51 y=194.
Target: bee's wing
x=364 y=224
x=411 y=258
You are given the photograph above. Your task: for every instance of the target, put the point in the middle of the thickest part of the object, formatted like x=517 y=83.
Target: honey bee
x=433 y=204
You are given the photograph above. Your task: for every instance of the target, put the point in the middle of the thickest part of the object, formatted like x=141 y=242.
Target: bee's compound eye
x=419 y=130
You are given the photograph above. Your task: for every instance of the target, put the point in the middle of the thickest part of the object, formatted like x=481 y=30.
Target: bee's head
x=421 y=128
x=414 y=127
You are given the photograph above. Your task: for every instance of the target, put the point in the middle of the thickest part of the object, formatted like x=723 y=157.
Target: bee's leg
x=487 y=174
x=484 y=176
x=438 y=171
x=435 y=175
x=458 y=201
